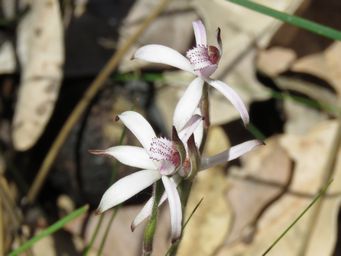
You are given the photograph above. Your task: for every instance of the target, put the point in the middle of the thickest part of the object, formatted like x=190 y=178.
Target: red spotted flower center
x=163 y=151
x=202 y=56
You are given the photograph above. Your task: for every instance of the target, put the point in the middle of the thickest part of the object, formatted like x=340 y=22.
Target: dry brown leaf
x=176 y=21
x=326 y=65
x=44 y=246
x=301 y=118
x=41 y=55
x=310 y=153
x=7 y=58
x=7 y=54
x=259 y=181
x=120 y=234
x=307 y=88
x=275 y=60
x=207 y=228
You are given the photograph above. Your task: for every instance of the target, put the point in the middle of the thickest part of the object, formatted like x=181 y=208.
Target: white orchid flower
x=202 y=61
x=159 y=158
x=206 y=163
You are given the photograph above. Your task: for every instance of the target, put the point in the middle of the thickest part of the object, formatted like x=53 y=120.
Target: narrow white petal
x=190 y=127
x=233 y=97
x=230 y=154
x=139 y=126
x=199 y=131
x=174 y=207
x=199 y=33
x=188 y=103
x=146 y=211
x=127 y=187
x=129 y=155
x=162 y=54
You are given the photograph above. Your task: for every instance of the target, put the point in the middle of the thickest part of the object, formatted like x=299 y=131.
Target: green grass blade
x=192 y=213
x=50 y=230
x=317 y=197
x=256 y=132
x=291 y=19
x=106 y=233
x=172 y=249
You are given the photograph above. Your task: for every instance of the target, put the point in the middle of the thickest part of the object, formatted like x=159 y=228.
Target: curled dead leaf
x=41 y=55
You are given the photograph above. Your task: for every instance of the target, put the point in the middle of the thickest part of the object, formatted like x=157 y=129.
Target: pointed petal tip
x=97 y=151
x=132 y=227
x=98 y=211
x=258 y=142
x=245 y=118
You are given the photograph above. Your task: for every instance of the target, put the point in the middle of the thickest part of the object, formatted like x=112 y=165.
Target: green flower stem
x=291 y=19
x=205 y=107
x=186 y=185
x=106 y=233
x=149 y=231
x=50 y=230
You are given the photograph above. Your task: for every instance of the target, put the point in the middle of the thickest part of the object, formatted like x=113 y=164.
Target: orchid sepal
x=194 y=158
x=179 y=146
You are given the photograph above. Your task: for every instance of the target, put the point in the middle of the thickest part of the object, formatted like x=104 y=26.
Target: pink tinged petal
x=165 y=155
x=164 y=55
x=230 y=154
x=190 y=127
x=174 y=207
x=233 y=97
x=206 y=72
x=188 y=103
x=166 y=167
x=139 y=126
x=199 y=33
x=129 y=155
x=127 y=187
x=146 y=211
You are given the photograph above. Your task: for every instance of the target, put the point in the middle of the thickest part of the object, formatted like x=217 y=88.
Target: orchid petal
x=127 y=187
x=207 y=71
x=199 y=131
x=230 y=154
x=188 y=103
x=199 y=33
x=162 y=54
x=139 y=126
x=190 y=127
x=174 y=207
x=129 y=155
x=233 y=97
x=146 y=211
